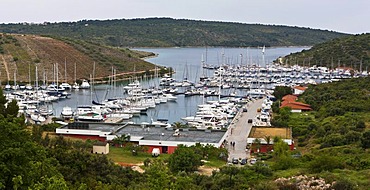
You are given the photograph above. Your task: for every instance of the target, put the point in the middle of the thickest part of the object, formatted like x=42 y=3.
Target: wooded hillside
x=167 y=32
x=349 y=51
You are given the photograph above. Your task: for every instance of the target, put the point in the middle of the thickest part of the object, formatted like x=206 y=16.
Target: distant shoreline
x=245 y=47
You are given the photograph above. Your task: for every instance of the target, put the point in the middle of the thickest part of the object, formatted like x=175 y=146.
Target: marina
x=208 y=88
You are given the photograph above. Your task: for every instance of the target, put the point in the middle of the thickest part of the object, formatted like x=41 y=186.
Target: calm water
x=187 y=63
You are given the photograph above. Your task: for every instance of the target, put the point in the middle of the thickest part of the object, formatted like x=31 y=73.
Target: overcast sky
x=349 y=16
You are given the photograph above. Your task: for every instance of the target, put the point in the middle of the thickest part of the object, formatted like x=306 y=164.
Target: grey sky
x=349 y=16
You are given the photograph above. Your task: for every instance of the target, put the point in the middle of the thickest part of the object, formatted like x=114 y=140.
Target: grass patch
x=215 y=163
x=125 y=156
x=288 y=173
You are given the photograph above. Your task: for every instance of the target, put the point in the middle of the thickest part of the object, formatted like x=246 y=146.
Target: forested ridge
x=167 y=32
x=349 y=51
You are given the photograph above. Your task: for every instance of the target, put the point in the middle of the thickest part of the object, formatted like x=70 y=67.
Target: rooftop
x=289 y=97
x=295 y=105
x=167 y=134
x=148 y=132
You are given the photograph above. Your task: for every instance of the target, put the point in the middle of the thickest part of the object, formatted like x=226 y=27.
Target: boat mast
x=57 y=74
x=75 y=74
x=37 y=79
x=15 y=79
x=29 y=74
x=65 y=69
x=54 y=73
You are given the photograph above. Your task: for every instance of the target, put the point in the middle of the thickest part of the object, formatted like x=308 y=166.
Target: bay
x=187 y=63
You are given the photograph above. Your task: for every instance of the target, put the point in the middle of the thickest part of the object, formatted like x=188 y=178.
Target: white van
x=156 y=152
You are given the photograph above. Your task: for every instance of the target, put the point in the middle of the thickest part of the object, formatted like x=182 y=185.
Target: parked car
x=250 y=120
x=253 y=161
x=245 y=110
x=243 y=161
x=235 y=161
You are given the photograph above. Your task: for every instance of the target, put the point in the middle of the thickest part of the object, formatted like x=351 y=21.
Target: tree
x=179 y=125
x=257 y=142
x=184 y=159
x=51 y=183
x=120 y=140
x=268 y=141
x=280 y=149
x=22 y=161
x=281 y=91
x=158 y=175
x=230 y=171
x=276 y=139
x=2 y=103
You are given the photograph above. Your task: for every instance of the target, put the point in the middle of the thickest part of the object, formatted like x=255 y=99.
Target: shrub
x=325 y=163
x=352 y=137
x=343 y=184
x=284 y=162
x=333 y=140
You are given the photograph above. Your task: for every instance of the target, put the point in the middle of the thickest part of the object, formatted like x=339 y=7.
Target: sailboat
x=65 y=85
x=54 y=87
x=15 y=86
x=44 y=86
x=7 y=87
x=29 y=86
x=75 y=85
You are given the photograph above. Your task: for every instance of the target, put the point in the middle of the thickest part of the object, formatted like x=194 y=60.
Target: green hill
x=167 y=32
x=349 y=51
x=21 y=53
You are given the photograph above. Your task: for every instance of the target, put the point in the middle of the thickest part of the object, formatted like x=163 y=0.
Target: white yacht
x=7 y=87
x=67 y=112
x=75 y=86
x=85 y=84
x=54 y=88
x=37 y=118
x=65 y=86
x=170 y=97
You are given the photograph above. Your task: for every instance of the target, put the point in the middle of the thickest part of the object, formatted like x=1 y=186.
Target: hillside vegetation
x=21 y=53
x=335 y=136
x=349 y=51
x=165 y=32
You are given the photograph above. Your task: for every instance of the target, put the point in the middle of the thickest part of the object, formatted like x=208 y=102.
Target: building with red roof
x=291 y=101
x=290 y=98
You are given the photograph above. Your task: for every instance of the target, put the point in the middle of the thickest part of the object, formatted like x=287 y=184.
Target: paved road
x=239 y=131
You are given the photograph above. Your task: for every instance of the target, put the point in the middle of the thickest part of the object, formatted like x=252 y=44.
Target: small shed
x=100 y=148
